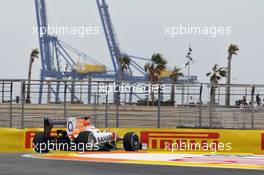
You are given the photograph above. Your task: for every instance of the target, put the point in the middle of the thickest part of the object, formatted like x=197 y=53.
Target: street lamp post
x=190 y=60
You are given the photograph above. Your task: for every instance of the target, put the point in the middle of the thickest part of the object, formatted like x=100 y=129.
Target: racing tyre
x=131 y=142
x=40 y=143
x=84 y=138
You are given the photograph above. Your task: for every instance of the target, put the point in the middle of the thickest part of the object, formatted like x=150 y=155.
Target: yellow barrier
x=222 y=141
x=11 y=140
x=200 y=140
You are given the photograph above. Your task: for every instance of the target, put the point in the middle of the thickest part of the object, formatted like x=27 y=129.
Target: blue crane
x=57 y=56
x=116 y=52
x=113 y=45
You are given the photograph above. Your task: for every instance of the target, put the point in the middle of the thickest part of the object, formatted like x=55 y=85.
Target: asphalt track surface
x=15 y=164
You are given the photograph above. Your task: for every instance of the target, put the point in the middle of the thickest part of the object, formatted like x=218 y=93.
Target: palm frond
x=233 y=49
x=223 y=73
x=208 y=74
x=156 y=66
x=216 y=74
x=34 y=53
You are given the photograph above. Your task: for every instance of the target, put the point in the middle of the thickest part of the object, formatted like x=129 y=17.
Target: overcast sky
x=139 y=25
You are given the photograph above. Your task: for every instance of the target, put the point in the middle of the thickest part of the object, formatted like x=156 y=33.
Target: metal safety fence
x=132 y=104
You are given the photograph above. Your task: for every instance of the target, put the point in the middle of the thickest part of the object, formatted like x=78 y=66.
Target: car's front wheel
x=131 y=142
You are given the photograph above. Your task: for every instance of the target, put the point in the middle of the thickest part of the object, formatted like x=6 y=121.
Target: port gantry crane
x=114 y=49
x=58 y=63
x=57 y=55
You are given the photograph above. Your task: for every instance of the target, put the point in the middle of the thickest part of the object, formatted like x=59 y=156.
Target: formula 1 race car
x=81 y=136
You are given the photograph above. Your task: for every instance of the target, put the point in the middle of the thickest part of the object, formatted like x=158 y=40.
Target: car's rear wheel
x=40 y=143
x=86 y=141
x=131 y=142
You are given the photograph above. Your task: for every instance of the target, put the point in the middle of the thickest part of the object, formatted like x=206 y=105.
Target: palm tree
x=232 y=50
x=34 y=54
x=154 y=69
x=124 y=62
x=175 y=74
x=215 y=76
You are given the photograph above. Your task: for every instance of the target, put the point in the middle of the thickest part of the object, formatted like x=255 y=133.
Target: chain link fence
x=132 y=104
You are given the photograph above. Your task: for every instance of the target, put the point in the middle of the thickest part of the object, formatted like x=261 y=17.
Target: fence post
x=159 y=96
x=65 y=100
x=182 y=95
x=94 y=95
x=23 y=104
x=130 y=94
x=3 y=91
x=95 y=104
x=89 y=89
x=49 y=92
x=106 y=107
x=252 y=106
x=200 y=106
x=57 y=94
x=117 y=108
x=11 y=104
x=98 y=93
x=72 y=91
x=211 y=105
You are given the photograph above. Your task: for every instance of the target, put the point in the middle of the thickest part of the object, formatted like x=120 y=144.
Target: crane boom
x=110 y=35
x=42 y=24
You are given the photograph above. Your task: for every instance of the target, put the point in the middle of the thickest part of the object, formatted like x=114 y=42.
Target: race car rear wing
x=49 y=124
